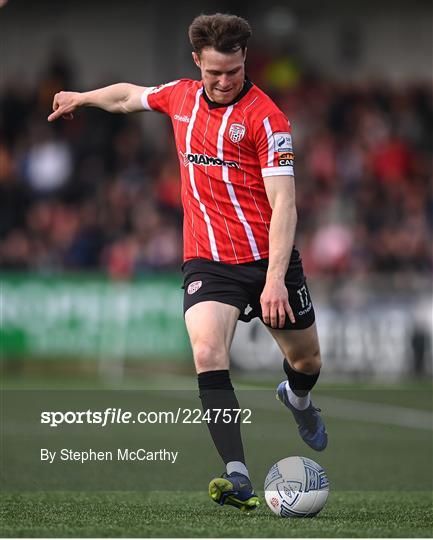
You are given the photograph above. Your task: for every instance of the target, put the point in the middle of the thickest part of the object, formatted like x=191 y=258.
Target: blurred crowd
x=96 y=194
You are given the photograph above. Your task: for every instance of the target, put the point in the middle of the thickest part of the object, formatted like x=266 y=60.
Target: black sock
x=300 y=383
x=216 y=392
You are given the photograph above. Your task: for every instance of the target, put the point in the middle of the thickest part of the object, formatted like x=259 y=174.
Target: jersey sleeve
x=157 y=98
x=273 y=141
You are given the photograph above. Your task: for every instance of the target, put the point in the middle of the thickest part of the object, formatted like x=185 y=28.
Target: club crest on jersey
x=194 y=287
x=237 y=132
x=283 y=142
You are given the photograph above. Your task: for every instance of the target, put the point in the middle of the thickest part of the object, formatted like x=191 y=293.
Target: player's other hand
x=274 y=301
x=64 y=104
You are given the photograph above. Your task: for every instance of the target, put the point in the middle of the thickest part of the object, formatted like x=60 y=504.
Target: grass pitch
x=191 y=514
x=380 y=468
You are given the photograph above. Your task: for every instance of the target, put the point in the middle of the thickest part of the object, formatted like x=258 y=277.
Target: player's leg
x=211 y=326
x=302 y=365
x=302 y=361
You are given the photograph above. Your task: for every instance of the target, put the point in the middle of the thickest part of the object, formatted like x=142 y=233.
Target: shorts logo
x=283 y=142
x=304 y=300
x=194 y=287
x=237 y=132
x=248 y=310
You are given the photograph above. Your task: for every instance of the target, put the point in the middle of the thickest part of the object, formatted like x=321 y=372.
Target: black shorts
x=241 y=285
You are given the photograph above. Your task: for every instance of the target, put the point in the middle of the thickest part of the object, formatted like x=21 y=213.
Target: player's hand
x=275 y=304
x=64 y=104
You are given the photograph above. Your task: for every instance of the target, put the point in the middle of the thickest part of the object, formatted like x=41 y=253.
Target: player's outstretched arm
x=117 y=98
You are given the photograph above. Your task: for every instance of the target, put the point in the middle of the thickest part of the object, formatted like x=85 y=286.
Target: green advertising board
x=92 y=317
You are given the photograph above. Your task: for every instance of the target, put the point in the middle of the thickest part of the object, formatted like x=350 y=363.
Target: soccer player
x=236 y=164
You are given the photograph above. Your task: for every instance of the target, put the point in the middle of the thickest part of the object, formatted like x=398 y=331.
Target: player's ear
x=196 y=59
x=245 y=53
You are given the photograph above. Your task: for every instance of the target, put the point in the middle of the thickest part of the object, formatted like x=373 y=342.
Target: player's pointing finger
x=54 y=115
x=60 y=111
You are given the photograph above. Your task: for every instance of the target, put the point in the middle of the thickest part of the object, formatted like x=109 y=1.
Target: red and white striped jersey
x=224 y=152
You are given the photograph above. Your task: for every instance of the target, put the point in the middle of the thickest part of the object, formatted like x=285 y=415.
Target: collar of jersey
x=212 y=105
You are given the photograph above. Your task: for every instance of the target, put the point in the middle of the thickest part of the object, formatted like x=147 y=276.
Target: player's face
x=223 y=74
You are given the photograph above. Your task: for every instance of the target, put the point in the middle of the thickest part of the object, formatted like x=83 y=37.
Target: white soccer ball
x=296 y=487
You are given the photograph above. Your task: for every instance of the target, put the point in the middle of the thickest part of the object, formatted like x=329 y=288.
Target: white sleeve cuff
x=278 y=171
x=144 y=96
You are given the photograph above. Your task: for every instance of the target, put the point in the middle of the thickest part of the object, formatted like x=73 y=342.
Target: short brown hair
x=225 y=33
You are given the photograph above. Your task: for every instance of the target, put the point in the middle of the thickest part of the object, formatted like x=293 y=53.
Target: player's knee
x=208 y=357
x=310 y=364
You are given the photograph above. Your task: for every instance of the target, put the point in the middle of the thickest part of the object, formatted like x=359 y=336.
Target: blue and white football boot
x=310 y=425
x=234 y=489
